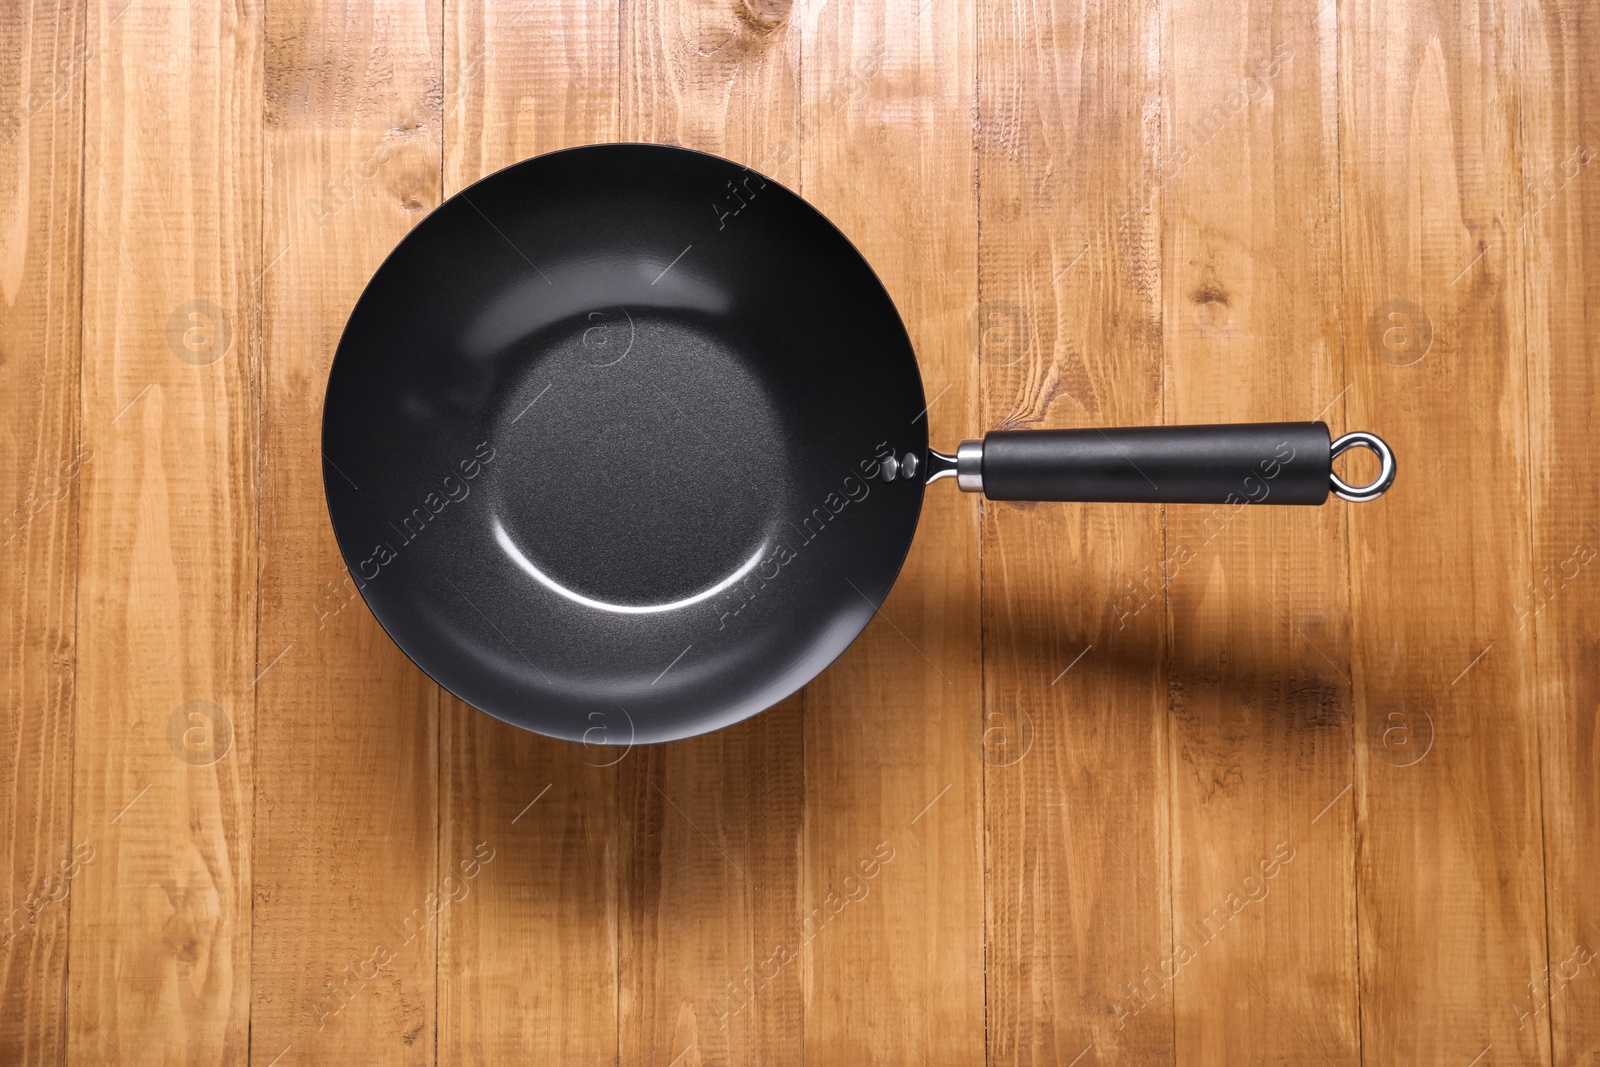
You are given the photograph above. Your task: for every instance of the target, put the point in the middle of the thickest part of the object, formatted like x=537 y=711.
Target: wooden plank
x=1450 y=889
x=1069 y=333
x=1264 y=919
x=160 y=943
x=43 y=55
x=347 y=891
x=1557 y=599
x=614 y=921
x=528 y=966
x=710 y=827
x=894 y=814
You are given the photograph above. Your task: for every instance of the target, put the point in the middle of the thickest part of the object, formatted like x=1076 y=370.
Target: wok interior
x=603 y=457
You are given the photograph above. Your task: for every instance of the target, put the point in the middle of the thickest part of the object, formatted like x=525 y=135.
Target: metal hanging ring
x=1380 y=484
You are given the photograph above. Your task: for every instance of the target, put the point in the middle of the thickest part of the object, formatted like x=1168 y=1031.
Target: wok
x=627 y=443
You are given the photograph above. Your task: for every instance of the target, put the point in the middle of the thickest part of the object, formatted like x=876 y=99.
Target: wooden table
x=1102 y=784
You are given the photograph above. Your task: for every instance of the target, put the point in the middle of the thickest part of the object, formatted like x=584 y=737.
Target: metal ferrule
x=969 y=466
x=966 y=466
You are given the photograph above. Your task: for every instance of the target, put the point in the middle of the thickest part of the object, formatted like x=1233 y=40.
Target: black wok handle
x=1248 y=463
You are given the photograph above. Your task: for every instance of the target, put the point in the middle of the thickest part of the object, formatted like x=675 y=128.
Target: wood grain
x=1069 y=333
x=711 y=827
x=896 y=976
x=347 y=892
x=160 y=946
x=1452 y=897
x=240 y=826
x=519 y=81
x=42 y=58
x=1259 y=678
x=1556 y=599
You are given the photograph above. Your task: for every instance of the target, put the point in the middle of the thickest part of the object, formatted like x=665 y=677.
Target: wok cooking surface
x=602 y=437
x=646 y=481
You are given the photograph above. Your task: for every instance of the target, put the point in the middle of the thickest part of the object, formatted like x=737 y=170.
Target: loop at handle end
x=1379 y=485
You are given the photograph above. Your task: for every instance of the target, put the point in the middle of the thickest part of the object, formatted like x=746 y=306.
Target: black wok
x=627 y=443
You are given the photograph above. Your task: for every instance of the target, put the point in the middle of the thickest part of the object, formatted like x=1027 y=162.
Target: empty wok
x=627 y=443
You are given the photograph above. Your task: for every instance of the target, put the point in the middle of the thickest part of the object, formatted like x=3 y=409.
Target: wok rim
x=705 y=724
